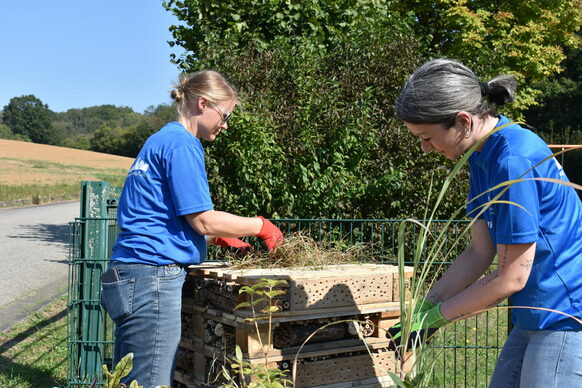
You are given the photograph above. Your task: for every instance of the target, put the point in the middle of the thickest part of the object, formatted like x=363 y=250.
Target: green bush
x=317 y=136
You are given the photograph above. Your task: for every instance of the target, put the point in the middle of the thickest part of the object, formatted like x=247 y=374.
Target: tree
x=6 y=133
x=318 y=137
x=164 y=113
x=135 y=137
x=558 y=109
x=88 y=120
x=525 y=38
x=243 y=22
x=557 y=117
x=108 y=140
x=29 y=117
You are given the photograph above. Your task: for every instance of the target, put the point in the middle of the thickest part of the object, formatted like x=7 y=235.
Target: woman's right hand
x=271 y=237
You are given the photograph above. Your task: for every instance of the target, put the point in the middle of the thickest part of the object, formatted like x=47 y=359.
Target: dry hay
x=300 y=250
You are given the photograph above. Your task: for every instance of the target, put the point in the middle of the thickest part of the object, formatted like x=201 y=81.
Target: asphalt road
x=33 y=258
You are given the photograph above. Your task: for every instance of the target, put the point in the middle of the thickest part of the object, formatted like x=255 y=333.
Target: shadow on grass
x=25 y=358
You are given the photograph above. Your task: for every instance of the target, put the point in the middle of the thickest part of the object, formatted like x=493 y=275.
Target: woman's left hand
x=232 y=244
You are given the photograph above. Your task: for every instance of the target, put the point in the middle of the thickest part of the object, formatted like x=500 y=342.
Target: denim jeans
x=540 y=359
x=145 y=302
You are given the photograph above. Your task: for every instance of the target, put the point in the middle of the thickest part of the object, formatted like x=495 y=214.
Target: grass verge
x=34 y=352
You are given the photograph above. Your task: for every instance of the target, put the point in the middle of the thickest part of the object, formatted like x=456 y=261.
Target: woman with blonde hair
x=166 y=218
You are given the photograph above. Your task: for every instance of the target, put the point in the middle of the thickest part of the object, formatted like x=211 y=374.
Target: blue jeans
x=145 y=302
x=540 y=359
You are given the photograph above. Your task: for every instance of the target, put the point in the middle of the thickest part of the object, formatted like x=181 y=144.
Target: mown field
x=37 y=173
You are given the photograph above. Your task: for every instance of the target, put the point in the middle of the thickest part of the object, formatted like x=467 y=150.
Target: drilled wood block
x=396 y=286
x=308 y=289
x=334 y=370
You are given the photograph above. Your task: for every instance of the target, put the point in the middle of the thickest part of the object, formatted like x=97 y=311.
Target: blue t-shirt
x=550 y=215
x=166 y=181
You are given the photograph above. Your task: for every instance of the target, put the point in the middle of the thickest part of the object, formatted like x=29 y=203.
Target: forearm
x=514 y=266
x=465 y=271
x=217 y=223
x=486 y=293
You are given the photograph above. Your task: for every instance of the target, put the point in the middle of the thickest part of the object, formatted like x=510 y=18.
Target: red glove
x=234 y=245
x=271 y=237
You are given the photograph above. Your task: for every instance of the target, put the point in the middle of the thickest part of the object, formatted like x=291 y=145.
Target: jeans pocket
x=171 y=273
x=117 y=297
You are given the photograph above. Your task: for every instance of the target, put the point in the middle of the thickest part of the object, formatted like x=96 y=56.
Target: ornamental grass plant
x=427 y=259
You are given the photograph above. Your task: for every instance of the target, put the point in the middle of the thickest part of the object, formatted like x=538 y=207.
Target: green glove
x=422 y=305
x=424 y=324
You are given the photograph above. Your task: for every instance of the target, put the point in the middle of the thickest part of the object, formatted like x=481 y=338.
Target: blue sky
x=81 y=53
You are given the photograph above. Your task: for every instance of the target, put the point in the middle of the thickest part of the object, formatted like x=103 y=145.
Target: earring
x=467 y=132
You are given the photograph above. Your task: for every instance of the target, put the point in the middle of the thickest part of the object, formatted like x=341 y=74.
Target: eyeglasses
x=226 y=115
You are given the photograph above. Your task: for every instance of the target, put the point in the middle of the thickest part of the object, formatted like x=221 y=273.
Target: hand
x=271 y=237
x=234 y=245
x=422 y=305
x=424 y=324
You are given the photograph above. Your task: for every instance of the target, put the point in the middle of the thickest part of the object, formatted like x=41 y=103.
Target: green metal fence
x=464 y=354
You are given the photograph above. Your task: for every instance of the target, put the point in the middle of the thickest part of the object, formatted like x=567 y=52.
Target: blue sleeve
x=473 y=204
x=515 y=224
x=187 y=180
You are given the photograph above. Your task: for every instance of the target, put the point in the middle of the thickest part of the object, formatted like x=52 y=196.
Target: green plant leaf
x=246 y=290
x=238 y=353
x=124 y=366
x=270 y=310
x=258 y=300
x=272 y=294
x=242 y=305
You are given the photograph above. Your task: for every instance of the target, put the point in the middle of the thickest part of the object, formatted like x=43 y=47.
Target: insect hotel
x=328 y=330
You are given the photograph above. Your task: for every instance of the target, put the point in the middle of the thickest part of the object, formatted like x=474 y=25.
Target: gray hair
x=441 y=88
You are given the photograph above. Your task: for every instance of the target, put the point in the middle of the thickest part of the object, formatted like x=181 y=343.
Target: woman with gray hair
x=535 y=228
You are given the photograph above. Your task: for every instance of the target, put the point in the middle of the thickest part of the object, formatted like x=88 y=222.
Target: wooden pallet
x=340 y=298
x=329 y=287
x=314 y=369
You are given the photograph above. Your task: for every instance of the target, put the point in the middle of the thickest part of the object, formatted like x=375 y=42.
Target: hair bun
x=176 y=95
x=484 y=89
x=500 y=90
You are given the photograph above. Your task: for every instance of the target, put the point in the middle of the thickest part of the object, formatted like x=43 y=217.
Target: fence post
x=92 y=262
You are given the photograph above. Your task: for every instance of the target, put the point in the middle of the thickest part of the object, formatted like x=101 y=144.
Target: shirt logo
x=139 y=167
x=559 y=167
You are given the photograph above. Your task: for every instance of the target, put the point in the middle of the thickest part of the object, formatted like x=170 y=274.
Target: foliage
x=558 y=110
x=80 y=141
x=262 y=295
x=107 y=139
x=6 y=133
x=557 y=117
x=524 y=38
x=33 y=352
x=122 y=369
x=88 y=120
x=258 y=22
x=260 y=375
x=128 y=140
x=316 y=138
x=111 y=129
x=27 y=116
